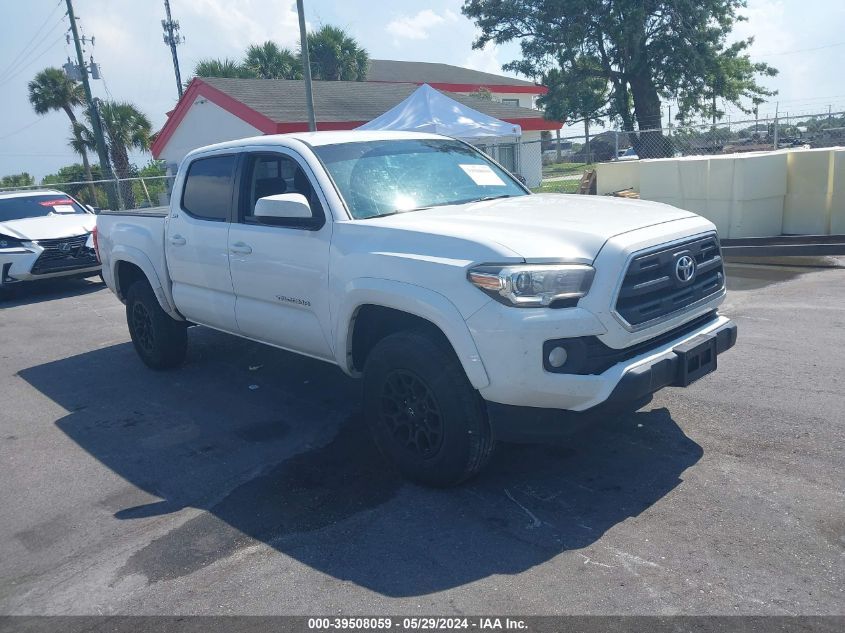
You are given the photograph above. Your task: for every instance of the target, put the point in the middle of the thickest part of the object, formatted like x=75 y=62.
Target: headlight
x=10 y=242
x=533 y=285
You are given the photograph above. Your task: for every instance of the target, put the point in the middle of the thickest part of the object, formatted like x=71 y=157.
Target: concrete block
x=693 y=174
x=806 y=213
x=837 y=214
x=659 y=178
x=720 y=180
x=675 y=202
x=616 y=176
x=837 y=172
x=809 y=171
x=760 y=176
x=720 y=212
x=760 y=217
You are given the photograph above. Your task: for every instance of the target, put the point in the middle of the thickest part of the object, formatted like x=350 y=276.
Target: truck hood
x=49 y=227
x=542 y=226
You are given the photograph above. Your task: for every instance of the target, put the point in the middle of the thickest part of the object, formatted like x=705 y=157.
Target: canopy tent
x=428 y=110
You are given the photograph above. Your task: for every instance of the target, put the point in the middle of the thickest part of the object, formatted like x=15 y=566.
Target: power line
x=21 y=129
x=23 y=51
x=801 y=50
x=31 y=61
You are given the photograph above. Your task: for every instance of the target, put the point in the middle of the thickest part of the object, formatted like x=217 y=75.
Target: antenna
x=172 y=38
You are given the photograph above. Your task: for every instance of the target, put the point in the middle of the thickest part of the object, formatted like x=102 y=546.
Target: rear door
x=196 y=242
x=280 y=270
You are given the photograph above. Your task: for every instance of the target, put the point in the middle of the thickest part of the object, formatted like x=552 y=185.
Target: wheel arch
x=375 y=308
x=130 y=264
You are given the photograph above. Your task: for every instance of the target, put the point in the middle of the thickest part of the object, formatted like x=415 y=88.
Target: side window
x=209 y=186
x=271 y=174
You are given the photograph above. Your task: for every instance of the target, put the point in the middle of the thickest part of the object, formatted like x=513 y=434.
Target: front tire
x=159 y=340
x=423 y=413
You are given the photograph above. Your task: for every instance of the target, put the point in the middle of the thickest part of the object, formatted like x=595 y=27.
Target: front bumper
x=633 y=389
x=21 y=264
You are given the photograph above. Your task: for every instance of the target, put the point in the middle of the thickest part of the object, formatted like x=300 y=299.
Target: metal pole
x=306 y=67
x=99 y=140
x=777 y=133
x=170 y=38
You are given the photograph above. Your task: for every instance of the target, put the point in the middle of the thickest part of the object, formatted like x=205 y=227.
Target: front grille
x=69 y=253
x=651 y=289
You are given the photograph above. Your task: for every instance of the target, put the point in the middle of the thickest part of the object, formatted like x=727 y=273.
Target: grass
x=563 y=169
x=560 y=186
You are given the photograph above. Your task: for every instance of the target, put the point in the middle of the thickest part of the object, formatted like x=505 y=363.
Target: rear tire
x=159 y=340
x=423 y=413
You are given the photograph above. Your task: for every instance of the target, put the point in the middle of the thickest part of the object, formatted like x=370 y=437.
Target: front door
x=280 y=270
x=196 y=243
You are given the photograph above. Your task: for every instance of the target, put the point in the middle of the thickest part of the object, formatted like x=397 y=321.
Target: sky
x=806 y=45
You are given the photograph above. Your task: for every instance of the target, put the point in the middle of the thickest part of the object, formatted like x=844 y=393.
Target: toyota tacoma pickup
x=472 y=309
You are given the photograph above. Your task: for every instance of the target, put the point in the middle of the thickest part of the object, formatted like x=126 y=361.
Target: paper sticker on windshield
x=482 y=175
x=63 y=208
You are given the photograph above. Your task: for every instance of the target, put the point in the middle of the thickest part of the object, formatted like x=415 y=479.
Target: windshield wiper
x=486 y=198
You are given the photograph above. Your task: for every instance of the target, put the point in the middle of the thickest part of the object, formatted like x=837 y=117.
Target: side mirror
x=283 y=206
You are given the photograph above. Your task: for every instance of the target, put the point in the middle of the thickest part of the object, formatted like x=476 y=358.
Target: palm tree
x=223 y=68
x=335 y=56
x=268 y=61
x=125 y=127
x=51 y=90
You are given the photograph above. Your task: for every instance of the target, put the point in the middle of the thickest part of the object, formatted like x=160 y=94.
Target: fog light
x=557 y=357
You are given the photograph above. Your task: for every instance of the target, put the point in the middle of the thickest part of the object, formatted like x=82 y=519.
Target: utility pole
x=172 y=38
x=100 y=141
x=306 y=67
x=777 y=132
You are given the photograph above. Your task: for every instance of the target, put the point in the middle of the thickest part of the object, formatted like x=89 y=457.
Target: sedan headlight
x=10 y=242
x=533 y=285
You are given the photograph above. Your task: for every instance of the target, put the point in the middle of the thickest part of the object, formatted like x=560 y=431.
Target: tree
x=76 y=173
x=335 y=56
x=223 y=68
x=646 y=49
x=268 y=61
x=22 y=179
x=730 y=77
x=125 y=128
x=52 y=90
x=576 y=95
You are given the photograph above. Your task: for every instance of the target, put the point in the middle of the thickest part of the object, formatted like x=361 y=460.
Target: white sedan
x=44 y=234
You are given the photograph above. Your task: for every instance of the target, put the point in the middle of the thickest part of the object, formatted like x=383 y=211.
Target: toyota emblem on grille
x=685 y=268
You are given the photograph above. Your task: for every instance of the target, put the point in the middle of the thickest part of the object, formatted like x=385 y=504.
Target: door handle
x=239 y=248
x=178 y=240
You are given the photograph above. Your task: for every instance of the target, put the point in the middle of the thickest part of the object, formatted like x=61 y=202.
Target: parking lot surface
x=244 y=482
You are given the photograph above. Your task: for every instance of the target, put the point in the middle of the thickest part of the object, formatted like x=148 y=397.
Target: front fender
x=132 y=255
x=418 y=301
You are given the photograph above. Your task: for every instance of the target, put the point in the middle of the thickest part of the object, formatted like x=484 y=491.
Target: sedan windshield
x=36 y=206
x=384 y=177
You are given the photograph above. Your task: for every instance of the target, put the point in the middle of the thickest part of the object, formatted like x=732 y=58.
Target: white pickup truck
x=474 y=310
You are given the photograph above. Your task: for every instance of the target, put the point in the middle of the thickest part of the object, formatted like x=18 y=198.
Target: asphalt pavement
x=244 y=482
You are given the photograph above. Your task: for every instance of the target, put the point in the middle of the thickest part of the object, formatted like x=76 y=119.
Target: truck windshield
x=393 y=176
x=36 y=206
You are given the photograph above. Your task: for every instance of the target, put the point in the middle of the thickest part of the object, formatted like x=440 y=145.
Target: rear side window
x=208 y=187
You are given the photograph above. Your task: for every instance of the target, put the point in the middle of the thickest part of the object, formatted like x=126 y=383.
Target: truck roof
x=321 y=138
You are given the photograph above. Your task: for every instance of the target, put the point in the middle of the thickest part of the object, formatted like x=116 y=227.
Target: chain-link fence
x=552 y=165
x=122 y=193
x=546 y=164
